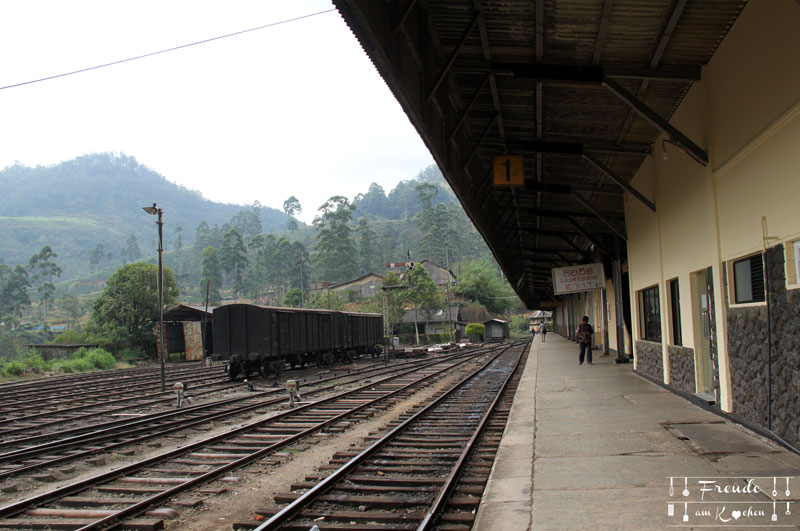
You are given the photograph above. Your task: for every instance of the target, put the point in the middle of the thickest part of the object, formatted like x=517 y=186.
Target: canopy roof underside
x=581 y=89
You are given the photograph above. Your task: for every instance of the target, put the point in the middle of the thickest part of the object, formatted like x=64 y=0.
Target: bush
x=475 y=330
x=34 y=362
x=13 y=368
x=69 y=337
x=96 y=358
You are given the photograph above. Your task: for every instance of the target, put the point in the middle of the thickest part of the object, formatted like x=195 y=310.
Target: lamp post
x=154 y=210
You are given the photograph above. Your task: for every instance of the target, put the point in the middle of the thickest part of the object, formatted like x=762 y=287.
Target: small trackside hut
x=261 y=339
x=496 y=330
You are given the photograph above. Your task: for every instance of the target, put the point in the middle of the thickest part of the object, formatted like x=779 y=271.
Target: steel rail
x=66 y=378
x=154 y=417
x=149 y=502
x=113 y=433
x=323 y=486
x=452 y=479
x=54 y=495
x=91 y=396
x=99 y=381
x=135 y=401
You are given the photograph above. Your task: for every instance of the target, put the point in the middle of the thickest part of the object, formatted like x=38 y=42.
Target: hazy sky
x=296 y=108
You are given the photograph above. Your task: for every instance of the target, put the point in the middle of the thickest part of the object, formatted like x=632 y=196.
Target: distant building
x=360 y=288
x=538 y=317
x=436 y=323
x=315 y=287
x=439 y=274
x=496 y=330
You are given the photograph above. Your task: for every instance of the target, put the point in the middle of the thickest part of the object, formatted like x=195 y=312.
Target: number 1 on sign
x=508 y=171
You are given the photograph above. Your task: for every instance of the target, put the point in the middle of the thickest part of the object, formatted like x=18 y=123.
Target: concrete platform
x=599 y=447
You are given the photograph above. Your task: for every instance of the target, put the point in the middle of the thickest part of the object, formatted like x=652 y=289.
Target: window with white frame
x=748 y=279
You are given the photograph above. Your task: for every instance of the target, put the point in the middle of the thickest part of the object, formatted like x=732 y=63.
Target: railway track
x=65 y=411
x=428 y=472
x=45 y=389
x=127 y=496
x=27 y=455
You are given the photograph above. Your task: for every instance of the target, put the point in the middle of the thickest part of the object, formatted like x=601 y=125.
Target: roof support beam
x=468 y=108
x=692 y=149
x=580 y=73
x=602 y=218
x=453 y=56
x=561 y=214
x=478 y=145
x=571 y=148
x=547 y=250
x=565 y=148
x=589 y=237
x=601 y=32
x=617 y=179
x=404 y=17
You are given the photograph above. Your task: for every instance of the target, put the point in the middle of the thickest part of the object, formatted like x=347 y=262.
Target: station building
x=702 y=241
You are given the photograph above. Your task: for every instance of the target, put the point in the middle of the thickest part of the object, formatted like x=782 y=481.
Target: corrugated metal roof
x=470 y=94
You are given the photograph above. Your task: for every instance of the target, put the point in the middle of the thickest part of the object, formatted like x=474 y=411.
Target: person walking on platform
x=584 y=333
x=543 y=330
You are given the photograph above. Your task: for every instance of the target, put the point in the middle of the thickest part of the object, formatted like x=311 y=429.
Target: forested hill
x=98 y=199
x=403 y=201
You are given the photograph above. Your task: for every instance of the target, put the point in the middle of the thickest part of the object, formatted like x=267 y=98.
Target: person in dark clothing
x=584 y=333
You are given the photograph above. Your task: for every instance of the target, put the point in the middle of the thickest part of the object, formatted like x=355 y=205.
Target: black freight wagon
x=261 y=339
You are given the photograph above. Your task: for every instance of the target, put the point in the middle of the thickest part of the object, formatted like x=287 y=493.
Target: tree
x=233 y=258
x=127 y=311
x=329 y=300
x=201 y=236
x=374 y=202
x=335 y=255
x=96 y=256
x=481 y=283
x=212 y=275
x=247 y=222
x=292 y=298
x=424 y=293
x=292 y=207
x=14 y=286
x=43 y=268
x=71 y=306
x=368 y=254
x=131 y=252
x=178 y=237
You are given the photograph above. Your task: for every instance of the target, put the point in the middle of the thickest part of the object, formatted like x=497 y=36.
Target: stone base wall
x=750 y=355
x=681 y=368
x=747 y=350
x=649 y=359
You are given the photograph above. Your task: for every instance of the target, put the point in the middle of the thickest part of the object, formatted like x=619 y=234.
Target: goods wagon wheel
x=297 y=359
x=235 y=369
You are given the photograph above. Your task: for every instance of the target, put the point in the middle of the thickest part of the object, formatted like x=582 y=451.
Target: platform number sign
x=508 y=170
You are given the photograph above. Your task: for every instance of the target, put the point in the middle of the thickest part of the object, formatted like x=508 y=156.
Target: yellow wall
x=746 y=111
x=612 y=324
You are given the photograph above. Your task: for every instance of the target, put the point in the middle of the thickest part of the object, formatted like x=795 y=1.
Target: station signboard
x=573 y=279
x=508 y=170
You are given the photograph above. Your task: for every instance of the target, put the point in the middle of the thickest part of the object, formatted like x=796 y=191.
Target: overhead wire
x=151 y=54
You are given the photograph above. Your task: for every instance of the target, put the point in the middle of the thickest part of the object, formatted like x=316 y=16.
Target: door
x=702 y=319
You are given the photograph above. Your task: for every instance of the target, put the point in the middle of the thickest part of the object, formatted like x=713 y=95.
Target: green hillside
x=97 y=199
